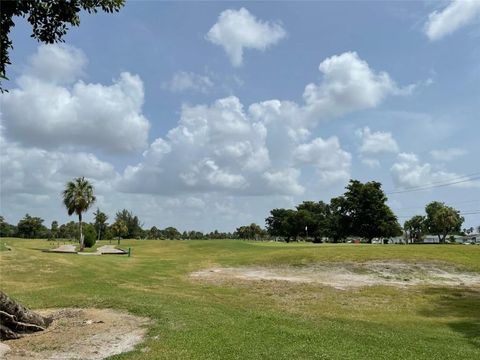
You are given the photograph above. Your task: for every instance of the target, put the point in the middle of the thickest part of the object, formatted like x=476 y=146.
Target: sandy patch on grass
x=349 y=275
x=64 y=249
x=87 y=334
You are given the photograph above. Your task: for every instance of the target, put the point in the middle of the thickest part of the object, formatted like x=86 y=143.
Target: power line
x=471 y=213
x=432 y=185
x=428 y=187
x=466 y=212
x=449 y=203
x=455 y=178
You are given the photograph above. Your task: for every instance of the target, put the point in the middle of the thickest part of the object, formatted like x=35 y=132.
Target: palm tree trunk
x=82 y=246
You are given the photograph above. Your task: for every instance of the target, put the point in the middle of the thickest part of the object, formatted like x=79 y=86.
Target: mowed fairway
x=194 y=319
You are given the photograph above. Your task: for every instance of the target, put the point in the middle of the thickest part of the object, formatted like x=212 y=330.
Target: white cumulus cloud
x=58 y=64
x=213 y=148
x=376 y=142
x=284 y=181
x=188 y=81
x=263 y=149
x=65 y=111
x=38 y=171
x=236 y=30
x=330 y=160
x=408 y=172
x=267 y=148
x=457 y=14
x=349 y=84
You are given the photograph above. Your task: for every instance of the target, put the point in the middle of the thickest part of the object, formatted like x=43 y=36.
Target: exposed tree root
x=16 y=319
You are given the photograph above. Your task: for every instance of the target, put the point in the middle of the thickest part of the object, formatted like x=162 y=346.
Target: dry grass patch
x=349 y=275
x=87 y=334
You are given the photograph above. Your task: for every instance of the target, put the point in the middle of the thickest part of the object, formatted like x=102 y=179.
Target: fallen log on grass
x=16 y=319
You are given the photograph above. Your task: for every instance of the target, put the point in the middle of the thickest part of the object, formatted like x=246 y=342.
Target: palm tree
x=78 y=197
x=100 y=222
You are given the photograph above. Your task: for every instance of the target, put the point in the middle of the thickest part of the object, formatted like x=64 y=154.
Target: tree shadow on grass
x=460 y=303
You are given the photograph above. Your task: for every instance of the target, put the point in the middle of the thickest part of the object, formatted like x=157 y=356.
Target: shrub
x=90 y=235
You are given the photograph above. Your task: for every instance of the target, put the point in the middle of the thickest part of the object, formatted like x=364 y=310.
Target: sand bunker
x=349 y=275
x=63 y=249
x=87 y=334
x=102 y=250
x=110 y=249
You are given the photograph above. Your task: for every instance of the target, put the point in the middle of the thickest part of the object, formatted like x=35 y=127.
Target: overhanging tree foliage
x=49 y=19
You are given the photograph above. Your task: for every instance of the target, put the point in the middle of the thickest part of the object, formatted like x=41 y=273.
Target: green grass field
x=256 y=320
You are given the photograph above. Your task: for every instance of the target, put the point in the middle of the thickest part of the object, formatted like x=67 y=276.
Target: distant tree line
x=360 y=212
x=126 y=225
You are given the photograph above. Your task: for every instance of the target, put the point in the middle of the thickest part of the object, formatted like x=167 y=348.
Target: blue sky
x=207 y=115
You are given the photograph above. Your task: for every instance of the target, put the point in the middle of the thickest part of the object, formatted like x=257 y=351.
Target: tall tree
x=100 y=223
x=370 y=216
x=131 y=221
x=6 y=229
x=171 y=233
x=49 y=19
x=119 y=229
x=68 y=231
x=30 y=227
x=282 y=223
x=195 y=234
x=415 y=228
x=314 y=220
x=252 y=231
x=442 y=220
x=337 y=221
x=54 y=229
x=154 y=233
x=77 y=198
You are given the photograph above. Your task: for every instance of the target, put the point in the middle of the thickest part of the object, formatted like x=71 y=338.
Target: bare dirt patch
x=87 y=334
x=349 y=275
